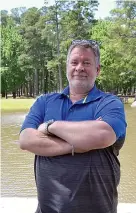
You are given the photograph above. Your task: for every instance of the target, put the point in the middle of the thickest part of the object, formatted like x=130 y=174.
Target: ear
x=98 y=70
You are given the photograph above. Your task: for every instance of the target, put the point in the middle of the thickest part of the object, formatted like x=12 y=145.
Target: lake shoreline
x=19 y=105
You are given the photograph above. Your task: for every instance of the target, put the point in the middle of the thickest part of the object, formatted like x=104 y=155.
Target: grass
x=130 y=100
x=16 y=104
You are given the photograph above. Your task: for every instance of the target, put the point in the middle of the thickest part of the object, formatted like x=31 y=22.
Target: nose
x=79 y=67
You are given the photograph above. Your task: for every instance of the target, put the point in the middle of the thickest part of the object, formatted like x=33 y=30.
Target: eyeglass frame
x=90 y=41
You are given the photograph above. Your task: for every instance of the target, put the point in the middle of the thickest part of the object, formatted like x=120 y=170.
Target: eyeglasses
x=92 y=42
x=94 y=45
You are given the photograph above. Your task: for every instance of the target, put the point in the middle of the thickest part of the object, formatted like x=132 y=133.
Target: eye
x=74 y=62
x=87 y=62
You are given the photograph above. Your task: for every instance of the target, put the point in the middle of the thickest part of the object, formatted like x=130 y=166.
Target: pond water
x=17 y=165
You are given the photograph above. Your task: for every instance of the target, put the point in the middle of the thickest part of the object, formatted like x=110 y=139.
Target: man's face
x=81 y=68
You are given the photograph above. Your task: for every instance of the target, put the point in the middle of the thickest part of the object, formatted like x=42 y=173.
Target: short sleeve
x=111 y=109
x=36 y=114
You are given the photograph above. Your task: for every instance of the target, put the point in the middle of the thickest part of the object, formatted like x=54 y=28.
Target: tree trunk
x=14 y=94
x=41 y=81
x=36 y=85
x=30 y=89
x=26 y=90
x=14 y=90
x=21 y=91
x=45 y=81
x=58 y=50
x=19 y=94
x=33 y=86
x=3 y=94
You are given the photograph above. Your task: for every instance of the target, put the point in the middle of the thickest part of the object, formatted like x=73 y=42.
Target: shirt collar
x=65 y=92
x=93 y=95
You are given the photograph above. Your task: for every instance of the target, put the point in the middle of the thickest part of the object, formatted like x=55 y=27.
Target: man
x=76 y=136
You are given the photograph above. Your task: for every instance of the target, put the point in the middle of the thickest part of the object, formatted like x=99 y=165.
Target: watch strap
x=48 y=123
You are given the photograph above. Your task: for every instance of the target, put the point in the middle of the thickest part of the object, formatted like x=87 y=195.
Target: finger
x=99 y=119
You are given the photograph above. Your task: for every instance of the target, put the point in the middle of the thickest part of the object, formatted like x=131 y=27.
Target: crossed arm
x=38 y=143
x=84 y=136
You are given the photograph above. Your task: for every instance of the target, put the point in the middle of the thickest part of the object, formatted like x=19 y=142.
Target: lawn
x=16 y=104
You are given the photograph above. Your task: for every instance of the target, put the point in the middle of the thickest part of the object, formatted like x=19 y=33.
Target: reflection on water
x=127 y=188
x=17 y=166
x=12 y=118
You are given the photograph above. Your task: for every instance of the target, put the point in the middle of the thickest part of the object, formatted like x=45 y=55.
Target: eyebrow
x=76 y=59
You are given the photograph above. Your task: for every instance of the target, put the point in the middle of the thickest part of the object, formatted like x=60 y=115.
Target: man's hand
x=43 y=128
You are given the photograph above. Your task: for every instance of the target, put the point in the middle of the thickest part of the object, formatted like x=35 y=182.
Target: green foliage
x=118 y=53
x=11 y=41
x=35 y=44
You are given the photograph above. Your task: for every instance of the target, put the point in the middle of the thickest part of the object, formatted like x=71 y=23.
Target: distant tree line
x=35 y=43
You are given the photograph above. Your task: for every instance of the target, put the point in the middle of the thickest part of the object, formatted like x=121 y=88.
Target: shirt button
x=71 y=110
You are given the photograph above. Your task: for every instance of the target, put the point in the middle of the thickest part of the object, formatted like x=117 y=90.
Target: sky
x=103 y=10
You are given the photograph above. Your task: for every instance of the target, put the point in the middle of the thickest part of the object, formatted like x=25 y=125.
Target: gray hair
x=86 y=44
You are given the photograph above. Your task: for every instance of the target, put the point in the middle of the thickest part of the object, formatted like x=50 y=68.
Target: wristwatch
x=48 y=123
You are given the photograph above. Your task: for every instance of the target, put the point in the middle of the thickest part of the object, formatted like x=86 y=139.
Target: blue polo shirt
x=86 y=182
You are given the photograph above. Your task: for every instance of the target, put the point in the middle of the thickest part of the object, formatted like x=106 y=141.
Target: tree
x=118 y=53
x=11 y=41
